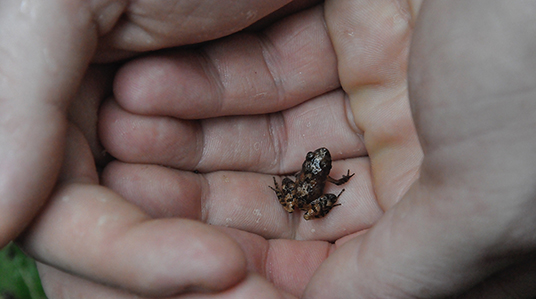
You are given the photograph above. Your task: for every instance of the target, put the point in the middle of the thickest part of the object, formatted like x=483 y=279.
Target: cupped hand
x=465 y=228
x=46 y=48
x=237 y=112
x=241 y=110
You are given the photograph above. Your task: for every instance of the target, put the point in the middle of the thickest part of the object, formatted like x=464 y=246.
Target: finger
x=470 y=214
x=287 y=265
x=372 y=40
x=148 y=25
x=45 y=49
x=249 y=73
x=61 y=285
x=88 y=230
x=273 y=143
x=244 y=200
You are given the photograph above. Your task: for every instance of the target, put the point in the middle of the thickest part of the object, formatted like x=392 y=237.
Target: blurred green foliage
x=18 y=275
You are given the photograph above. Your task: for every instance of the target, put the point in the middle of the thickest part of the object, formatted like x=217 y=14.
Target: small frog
x=307 y=191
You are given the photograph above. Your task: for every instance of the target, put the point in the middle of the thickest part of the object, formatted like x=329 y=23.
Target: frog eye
x=310 y=156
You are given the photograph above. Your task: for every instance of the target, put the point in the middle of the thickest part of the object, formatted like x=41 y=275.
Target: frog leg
x=277 y=190
x=321 y=206
x=342 y=180
x=285 y=194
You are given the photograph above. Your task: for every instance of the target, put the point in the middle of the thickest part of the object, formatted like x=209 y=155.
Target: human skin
x=46 y=49
x=463 y=228
x=42 y=240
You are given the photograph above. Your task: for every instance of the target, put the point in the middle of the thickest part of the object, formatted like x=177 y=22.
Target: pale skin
x=468 y=219
x=46 y=48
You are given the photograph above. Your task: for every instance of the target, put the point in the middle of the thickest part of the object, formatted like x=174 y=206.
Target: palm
x=238 y=155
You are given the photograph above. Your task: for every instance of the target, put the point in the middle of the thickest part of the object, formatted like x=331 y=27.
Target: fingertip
x=182 y=256
x=224 y=262
x=180 y=84
x=131 y=86
x=149 y=139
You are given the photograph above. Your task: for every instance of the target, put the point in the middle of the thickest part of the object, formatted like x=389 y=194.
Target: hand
x=46 y=48
x=465 y=228
x=297 y=95
x=46 y=52
x=378 y=262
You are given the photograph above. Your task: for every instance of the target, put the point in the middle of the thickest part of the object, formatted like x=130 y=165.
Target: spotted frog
x=307 y=191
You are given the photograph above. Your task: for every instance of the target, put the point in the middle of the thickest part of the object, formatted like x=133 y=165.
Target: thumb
x=46 y=47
